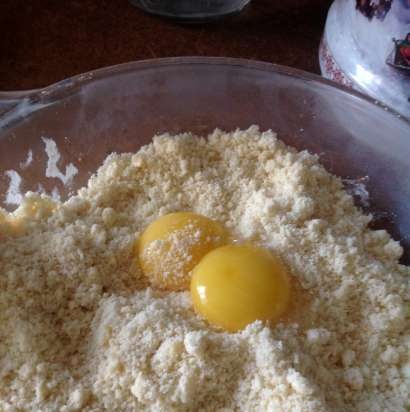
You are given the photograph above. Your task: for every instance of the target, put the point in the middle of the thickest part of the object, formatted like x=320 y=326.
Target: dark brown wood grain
x=43 y=41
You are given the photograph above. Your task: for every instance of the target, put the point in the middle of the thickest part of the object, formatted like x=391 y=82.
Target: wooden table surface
x=44 y=41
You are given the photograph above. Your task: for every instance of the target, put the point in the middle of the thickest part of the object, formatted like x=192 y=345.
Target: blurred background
x=44 y=41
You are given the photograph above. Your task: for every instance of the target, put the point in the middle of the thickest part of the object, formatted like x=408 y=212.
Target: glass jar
x=191 y=10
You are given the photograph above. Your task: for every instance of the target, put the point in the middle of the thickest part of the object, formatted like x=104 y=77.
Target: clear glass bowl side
x=120 y=109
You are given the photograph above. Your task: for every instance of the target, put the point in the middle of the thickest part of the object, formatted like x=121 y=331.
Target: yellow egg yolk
x=235 y=285
x=171 y=246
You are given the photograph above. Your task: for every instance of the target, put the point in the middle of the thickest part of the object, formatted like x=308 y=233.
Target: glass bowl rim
x=33 y=100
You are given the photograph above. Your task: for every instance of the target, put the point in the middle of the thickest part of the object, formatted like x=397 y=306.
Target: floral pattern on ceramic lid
x=366 y=45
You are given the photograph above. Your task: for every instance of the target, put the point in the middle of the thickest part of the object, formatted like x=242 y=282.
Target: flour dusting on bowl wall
x=366 y=45
x=14 y=194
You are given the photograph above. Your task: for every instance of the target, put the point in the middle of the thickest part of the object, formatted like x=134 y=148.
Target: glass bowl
x=120 y=108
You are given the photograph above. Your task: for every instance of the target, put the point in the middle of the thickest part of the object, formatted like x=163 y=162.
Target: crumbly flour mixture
x=81 y=331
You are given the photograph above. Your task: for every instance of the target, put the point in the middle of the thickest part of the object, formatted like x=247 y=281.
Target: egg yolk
x=235 y=285
x=31 y=208
x=171 y=246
